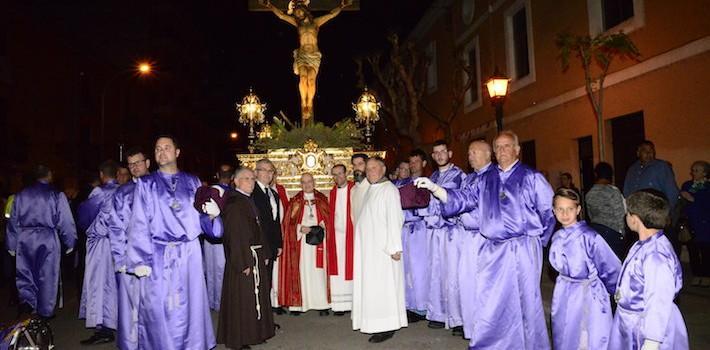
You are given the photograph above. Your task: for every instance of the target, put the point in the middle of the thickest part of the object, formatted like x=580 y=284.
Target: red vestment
x=289 y=261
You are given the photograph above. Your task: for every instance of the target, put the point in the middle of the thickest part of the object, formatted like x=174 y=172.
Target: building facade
x=660 y=97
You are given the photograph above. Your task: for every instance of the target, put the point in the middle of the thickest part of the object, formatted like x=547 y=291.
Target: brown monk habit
x=245 y=316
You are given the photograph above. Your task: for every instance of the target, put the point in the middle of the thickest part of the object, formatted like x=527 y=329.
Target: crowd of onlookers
x=689 y=224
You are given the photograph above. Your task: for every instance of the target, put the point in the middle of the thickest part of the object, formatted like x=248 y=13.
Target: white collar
x=510 y=167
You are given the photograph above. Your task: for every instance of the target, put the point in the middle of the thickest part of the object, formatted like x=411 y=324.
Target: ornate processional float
x=310 y=147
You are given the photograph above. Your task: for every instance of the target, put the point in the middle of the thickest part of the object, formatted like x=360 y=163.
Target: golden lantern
x=251 y=113
x=367 y=112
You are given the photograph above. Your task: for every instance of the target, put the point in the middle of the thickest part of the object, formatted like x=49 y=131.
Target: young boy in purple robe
x=588 y=270
x=99 y=291
x=646 y=317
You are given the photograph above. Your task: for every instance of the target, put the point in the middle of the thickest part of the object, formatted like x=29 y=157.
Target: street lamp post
x=251 y=112
x=367 y=112
x=143 y=69
x=497 y=87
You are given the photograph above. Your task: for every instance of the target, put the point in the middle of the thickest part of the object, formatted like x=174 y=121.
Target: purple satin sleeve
x=660 y=289
x=89 y=209
x=64 y=222
x=543 y=206
x=460 y=201
x=211 y=228
x=118 y=223
x=606 y=262
x=432 y=214
x=140 y=242
x=13 y=227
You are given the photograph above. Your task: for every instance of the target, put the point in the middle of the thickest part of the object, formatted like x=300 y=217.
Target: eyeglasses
x=135 y=164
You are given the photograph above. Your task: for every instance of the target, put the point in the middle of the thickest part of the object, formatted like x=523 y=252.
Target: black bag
x=315 y=236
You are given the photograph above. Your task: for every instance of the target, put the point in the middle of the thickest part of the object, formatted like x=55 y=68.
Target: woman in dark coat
x=245 y=316
x=695 y=200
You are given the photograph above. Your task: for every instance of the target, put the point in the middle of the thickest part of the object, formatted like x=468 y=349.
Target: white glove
x=424 y=182
x=220 y=189
x=11 y=252
x=142 y=271
x=122 y=269
x=211 y=208
x=649 y=344
x=438 y=191
x=69 y=251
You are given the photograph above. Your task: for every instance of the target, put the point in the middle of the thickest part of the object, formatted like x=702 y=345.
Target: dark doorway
x=627 y=132
x=586 y=163
x=527 y=154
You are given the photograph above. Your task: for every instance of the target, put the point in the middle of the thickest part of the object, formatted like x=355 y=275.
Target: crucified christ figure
x=306 y=58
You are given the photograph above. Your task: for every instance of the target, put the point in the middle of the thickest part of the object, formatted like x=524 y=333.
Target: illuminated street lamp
x=497 y=86
x=233 y=135
x=367 y=113
x=142 y=69
x=251 y=112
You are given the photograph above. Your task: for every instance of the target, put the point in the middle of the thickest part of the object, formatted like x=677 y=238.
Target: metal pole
x=499 y=115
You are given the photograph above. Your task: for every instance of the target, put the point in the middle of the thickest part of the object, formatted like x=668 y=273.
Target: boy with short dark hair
x=646 y=317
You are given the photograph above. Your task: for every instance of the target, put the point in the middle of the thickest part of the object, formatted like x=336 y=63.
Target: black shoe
x=279 y=310
x=277 y=326
x=295 y=313
x=413 y=317
x=98 y=338
x=323 y=313
x=339 y=313
x=457 y=331
x=246 y=347
x=380 y=337
x=435 y=325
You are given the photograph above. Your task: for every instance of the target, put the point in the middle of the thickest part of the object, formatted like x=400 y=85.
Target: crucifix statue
x=307 y=57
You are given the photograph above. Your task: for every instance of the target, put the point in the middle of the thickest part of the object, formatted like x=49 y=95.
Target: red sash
x=330 y=232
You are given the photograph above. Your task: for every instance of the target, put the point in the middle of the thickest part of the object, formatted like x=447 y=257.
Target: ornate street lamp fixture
x=497 y=86
x=367 y=113
x=251 y=112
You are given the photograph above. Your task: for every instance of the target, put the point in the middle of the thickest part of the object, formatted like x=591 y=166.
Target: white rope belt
x=257 y=279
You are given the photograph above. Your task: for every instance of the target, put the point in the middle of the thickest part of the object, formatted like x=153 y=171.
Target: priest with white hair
x=378 y=281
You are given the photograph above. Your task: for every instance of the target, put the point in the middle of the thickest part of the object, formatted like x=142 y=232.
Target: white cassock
x=275 y=274
x=357 y=195
x=314 y=289
x=378 y=280
x=341 y=291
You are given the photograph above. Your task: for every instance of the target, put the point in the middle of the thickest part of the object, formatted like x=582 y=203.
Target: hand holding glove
x=142 y=271
x=438 y=191
x=211 y=208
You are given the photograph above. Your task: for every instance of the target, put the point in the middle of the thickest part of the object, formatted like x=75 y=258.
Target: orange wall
x=673 y=98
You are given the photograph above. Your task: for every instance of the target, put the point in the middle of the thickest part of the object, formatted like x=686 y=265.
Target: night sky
x=220 y=49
